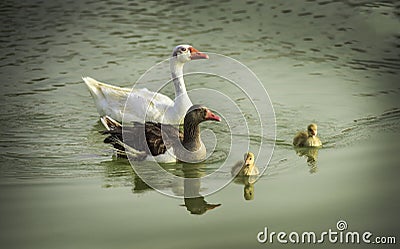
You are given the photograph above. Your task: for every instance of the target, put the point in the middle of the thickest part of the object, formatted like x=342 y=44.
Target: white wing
x=142 y=104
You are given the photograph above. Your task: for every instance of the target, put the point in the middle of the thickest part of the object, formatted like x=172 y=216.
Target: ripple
x=305 y=14
x=375 y=64
x=286 y=11
x=362 y=128
x=40 y=79
x=359 y=50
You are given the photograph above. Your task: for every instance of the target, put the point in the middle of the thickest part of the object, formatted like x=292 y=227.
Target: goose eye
x=183 y=49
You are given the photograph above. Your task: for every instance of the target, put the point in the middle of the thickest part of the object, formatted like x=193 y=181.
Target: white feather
x=110 y=100
x=142 y=104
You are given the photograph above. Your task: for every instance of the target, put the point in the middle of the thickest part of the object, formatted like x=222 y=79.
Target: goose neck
x=177 y=77
x=191 y=136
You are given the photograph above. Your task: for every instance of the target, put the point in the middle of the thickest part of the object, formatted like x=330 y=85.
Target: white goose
x=150 y=106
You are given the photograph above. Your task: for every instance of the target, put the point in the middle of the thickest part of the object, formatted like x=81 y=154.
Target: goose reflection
x=118 y=172
x=195 y=203
x=311 y=155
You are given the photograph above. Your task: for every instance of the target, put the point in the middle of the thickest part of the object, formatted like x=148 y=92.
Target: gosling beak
x=211 y=116
x=196 y=54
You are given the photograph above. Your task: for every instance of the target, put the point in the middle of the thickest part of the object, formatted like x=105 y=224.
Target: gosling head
x=248 y=159
x=312 y=130
x=248 y=163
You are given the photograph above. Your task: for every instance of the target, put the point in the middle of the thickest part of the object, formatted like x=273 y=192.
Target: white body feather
x=143 y=104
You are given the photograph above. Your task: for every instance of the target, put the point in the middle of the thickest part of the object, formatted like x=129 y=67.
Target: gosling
x=307 y=139
x=246 y=168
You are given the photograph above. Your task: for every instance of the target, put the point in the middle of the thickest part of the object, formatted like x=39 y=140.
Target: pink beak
x=212 y=116
x=196 y=54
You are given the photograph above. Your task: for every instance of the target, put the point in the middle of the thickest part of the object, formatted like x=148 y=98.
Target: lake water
x=335 y=63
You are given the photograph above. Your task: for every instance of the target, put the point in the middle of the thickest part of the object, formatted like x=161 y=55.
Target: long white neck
x=177 y=77
x=181 y=102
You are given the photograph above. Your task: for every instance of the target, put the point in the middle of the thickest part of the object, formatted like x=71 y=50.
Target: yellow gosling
x=246 y=167
x=307 y=138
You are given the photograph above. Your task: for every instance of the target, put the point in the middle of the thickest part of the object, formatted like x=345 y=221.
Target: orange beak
x=196 y=54
x=212 y=116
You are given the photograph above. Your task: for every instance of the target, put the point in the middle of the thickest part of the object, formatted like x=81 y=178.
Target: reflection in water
x=140 y=185
x=248 y=182
x=120 y=173
x=192 y=185
x=311 y=154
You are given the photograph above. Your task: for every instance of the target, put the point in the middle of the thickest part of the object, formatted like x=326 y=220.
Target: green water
x=335 y=63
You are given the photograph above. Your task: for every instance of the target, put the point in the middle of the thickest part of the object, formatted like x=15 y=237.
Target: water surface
x=335 y=63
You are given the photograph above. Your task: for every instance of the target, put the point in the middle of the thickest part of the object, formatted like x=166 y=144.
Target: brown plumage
x=155 y=138
x=146 y=137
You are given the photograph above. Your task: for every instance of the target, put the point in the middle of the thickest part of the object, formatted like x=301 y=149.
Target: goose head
x=185 y=53
x=312 y=130
x=191 y=130
x=198 y=113
x=194 y=150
